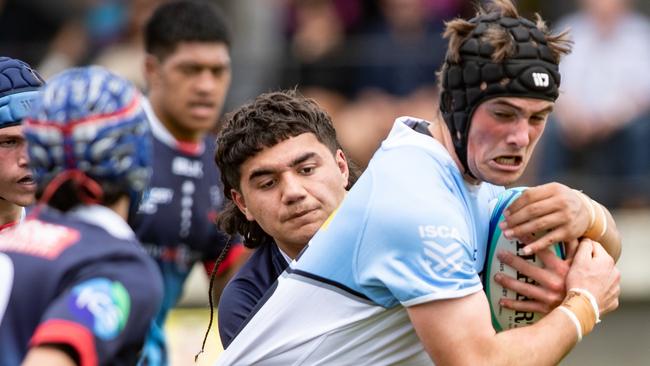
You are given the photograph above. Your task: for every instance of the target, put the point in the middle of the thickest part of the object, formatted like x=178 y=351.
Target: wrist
x=581 y=308
x=597 y=217
x=587 y=202
x=597 y=230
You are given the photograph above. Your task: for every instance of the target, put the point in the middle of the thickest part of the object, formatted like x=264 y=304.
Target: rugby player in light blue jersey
x=393 y=276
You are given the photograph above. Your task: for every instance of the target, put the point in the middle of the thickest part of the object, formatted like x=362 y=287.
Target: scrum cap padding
x=18 y=88
x=530 y=71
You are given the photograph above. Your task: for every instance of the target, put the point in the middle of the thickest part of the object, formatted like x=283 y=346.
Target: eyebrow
x=548 y=109
x=295 y=162
x=17 y=136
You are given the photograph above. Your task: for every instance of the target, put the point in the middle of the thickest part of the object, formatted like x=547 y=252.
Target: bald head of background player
x=19 y=85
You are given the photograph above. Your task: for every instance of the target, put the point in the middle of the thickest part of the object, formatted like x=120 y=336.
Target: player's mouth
x=508 y=162
x=299 y=214
x=202 y=109
x=27 y=181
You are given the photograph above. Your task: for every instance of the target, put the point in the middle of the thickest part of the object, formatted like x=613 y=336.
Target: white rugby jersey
x=410 y=231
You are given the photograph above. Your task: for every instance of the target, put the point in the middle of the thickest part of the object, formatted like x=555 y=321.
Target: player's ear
x=342 y=163
x=151 y=68
x=239 y=200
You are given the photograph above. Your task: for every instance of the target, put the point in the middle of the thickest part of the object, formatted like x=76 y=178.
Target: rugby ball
x=503 y=318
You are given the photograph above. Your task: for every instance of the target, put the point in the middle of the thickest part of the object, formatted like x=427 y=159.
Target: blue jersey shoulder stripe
x=328 y=282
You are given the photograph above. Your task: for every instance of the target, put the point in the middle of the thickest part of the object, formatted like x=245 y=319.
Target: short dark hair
x=268 y=120
x=184 y=21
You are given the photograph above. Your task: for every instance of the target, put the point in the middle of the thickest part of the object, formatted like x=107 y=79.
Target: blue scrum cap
x=90 y=120
x=19 y=85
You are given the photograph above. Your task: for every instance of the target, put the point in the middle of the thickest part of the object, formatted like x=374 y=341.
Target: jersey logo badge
x=101 y=305
x=187 y=167
x=444 y=258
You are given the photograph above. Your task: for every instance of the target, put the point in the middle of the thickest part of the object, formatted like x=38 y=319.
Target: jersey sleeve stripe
x=68 y=333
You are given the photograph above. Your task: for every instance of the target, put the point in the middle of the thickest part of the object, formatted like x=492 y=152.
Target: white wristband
x=574 y=319
x=591 y=298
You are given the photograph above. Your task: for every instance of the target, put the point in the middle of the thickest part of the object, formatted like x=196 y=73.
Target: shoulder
x=259 y=272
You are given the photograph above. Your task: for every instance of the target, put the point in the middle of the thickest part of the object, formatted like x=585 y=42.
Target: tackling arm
x=459 y=331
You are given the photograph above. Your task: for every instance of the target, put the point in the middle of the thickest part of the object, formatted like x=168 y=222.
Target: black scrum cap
x=531 y=71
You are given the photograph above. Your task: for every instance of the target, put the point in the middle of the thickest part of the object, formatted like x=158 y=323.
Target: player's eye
x=190 y=69
x=8 y=143
x=501 y=114
x=537 y=119
x=307 y=170
x=266 y=184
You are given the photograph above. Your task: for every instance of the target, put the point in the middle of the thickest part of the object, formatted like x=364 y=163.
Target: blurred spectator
x=319 y=61
x=125 y=55
x=258 y=47
x=599 y=139
x=399 y=51
x=397 y=54
x=30 y=28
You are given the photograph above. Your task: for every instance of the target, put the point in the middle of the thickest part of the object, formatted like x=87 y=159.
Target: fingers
x=545 y=241
x=527 y=306
x=552 y=209
x=535 y=224
x=515 y=215
x=571 y=248
x=551 y=259
x=530 y=291
x=585 y=250
x=545 y=277
x=531 y=195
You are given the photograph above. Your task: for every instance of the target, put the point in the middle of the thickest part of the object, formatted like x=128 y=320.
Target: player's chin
x=503 y=178
x=23 y=200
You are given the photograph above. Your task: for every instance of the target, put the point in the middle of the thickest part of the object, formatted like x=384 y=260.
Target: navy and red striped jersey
x=79 y=279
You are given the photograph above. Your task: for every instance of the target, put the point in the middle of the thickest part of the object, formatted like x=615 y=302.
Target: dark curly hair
x=268 y=120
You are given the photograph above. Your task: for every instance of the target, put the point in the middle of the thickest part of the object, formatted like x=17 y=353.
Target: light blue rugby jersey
x=410 y=231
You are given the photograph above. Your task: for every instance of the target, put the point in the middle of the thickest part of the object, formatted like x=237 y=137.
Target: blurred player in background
x=76 y=288
x=19 y=86
x=392 y=277
x=187 y=69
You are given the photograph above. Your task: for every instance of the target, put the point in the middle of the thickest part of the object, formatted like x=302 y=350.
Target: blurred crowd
x=369 y=61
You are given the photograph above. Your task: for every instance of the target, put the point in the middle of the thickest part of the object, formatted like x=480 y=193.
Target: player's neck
x=9 y=212
x=121 y=207
x=290 y=250
x=179 y=133
x=440 y=132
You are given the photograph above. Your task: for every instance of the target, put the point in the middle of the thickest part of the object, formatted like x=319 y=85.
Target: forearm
x=48 y=355
x=602 y=227
x=544 y=343
x=611 y=240
x=473 y=341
